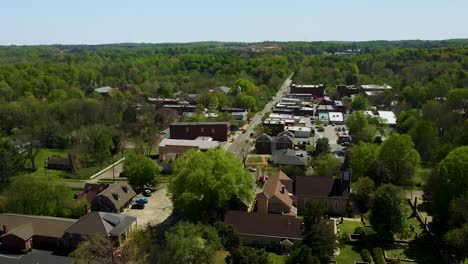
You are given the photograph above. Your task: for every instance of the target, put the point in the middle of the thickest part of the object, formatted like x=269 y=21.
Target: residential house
x=32 y=231
x=114 y=199
x=277 y=196
x=263 y=144
x=283 y=141
x=91 y=190
x=284 y=157
x=258 y=229
x=69 y=163
x=332 y=193
x=219 y=131
x=117 y=227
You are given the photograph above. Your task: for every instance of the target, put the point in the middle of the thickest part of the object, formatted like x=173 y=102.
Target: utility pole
x=113 y=170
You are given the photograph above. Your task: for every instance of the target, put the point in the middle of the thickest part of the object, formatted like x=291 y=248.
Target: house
x=91 y=190
x=258 y=229
x=283 y=141
x=117 y=227
x=276 y=196
x=69 y=163
x=219 y=131
x=299 y=132
x=32 y=231
x=232 y=110
x=332 y=193
x=317 y=90
x=284 y=157
x=263 y=144
x=114 y=199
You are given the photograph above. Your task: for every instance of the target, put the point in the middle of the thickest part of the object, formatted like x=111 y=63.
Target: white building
x=335 y=117
x=299 y=132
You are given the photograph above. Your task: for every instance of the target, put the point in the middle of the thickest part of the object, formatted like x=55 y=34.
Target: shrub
x=378 y=256
x=360 y=231
x=366 y=256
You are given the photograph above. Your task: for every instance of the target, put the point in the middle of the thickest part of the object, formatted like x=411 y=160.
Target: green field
x=41 y=160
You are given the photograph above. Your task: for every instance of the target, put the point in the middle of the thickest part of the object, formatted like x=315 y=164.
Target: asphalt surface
x=241 y=139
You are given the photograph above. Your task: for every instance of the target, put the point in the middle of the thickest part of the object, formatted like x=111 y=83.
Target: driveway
x=158 y=209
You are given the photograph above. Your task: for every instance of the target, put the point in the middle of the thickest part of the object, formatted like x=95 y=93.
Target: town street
x=241 y=139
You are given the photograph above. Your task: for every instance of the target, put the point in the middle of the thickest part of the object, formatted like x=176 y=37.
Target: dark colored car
x=138 y=206
x=146 y=193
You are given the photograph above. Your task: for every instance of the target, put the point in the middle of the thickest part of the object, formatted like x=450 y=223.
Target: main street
x=240 y=140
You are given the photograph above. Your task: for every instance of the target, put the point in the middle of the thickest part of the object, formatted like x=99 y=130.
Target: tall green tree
x=451 y=181
x=398 y=156
x=326 y=165
x=363 y=189
x=363 y=156
x=359 y=128
x=11 y=160
x=359 y=103
x=387 y=215
x=425 y=138
x=187 y=243
x=141 y=171
x=205 y=183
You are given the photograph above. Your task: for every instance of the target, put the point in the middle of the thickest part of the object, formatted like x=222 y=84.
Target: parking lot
x=158 y=208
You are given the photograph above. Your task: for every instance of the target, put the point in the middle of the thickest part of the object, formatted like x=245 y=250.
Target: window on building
x=202 y=129
x=186 y=129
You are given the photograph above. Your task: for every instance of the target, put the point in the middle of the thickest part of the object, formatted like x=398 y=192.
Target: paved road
x=241 y=139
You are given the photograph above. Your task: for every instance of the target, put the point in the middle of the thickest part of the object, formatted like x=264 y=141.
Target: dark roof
x=284 y=138
x=101 y=223
x=263 y=138
x=200 y=123
x=289 y=157
x=91 y=190
x=118 y=193
x=25 y=226
x=287 y=133
x=320 y=187
x=269 y=225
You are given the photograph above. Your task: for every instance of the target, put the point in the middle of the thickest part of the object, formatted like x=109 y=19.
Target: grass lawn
x=421 y=176
x=418 y=251
x=41 y=159
x=348 y=226
x=277 y=259
x=254 y=159
x=219 y=257
x=349 y=254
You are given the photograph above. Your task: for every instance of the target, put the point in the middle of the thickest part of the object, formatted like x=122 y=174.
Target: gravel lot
x=158 y=209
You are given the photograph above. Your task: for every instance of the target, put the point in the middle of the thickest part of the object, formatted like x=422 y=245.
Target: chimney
x=5 y=229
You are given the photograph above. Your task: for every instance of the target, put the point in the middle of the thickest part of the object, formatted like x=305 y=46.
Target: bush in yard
x=360 y=231
x=366 y=256
x=378 y=256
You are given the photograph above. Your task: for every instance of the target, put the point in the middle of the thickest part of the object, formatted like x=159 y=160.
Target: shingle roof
x=273 y=188
x=270 y=225
x=287 y=133
x=289 y=157
x=264 y=138
x=101 y=223
x=320 y=187
x=25 y=226
x=283 y=139
x=118 y=193
x=201 y=144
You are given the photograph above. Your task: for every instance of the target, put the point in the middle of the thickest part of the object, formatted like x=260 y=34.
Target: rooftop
x=198 y=143
x=105 y=224
x=26 y=226
x=268 y=225
x=199 y=123
x=105 y=89
x=320 y=187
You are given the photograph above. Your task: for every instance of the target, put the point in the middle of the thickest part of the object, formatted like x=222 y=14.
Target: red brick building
x=218 y=131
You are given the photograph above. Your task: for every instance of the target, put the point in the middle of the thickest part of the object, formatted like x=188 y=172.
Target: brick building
x=219 y=131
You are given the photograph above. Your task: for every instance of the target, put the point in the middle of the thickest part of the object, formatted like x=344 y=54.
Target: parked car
x=138 y=206
x=146 y=193
x=141 y=200
x=343 y=129
x=320 y=129
x=261 y=179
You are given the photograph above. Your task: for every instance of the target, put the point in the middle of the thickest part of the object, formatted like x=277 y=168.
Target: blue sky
x=115 y=21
